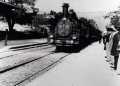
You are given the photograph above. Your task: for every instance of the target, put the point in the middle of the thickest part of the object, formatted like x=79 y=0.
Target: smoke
x=35 y=3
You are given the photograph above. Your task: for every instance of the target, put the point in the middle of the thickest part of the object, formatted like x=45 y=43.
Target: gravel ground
x=21 y=58
x=17 y=75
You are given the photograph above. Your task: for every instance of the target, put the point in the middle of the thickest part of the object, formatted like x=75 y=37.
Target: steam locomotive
x=67 y=32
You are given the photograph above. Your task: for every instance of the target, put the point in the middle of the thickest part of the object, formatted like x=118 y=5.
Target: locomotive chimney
x=65 y=9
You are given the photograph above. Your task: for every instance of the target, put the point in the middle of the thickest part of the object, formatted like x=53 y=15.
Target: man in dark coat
x=115 y=47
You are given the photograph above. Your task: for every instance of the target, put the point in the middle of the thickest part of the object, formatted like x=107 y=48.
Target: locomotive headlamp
x=71 y=41
x=74 y=37
x=51 y=41
x=64 y=19
x=51 y=36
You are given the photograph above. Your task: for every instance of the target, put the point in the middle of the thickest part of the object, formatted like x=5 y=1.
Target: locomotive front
x=66 y=31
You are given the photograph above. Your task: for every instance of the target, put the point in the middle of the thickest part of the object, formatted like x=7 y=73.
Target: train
x=70 y=31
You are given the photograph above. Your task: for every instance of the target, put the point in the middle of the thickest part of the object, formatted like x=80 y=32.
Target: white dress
x=109 y=47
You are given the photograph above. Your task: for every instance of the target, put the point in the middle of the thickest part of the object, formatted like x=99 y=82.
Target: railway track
x=12 y=52
x=24 y=47
x=29 y=46
x=24 y=63
x=51 y=64
x=12 y=59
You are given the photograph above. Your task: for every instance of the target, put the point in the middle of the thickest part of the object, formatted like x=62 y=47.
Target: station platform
x=86 y=68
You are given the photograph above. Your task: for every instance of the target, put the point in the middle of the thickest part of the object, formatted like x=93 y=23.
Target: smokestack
x=65 y=9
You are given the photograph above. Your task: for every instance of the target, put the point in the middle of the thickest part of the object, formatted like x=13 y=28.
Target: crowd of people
x=111 y=41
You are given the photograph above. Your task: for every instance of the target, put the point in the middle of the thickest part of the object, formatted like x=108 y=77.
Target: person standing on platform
x=115 y=47
x=107 y=40
x=106 y=35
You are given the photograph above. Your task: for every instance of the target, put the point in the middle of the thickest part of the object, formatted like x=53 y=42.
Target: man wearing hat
x=115 y=46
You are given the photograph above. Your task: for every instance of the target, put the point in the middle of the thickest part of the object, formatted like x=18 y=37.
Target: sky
x=79 y=5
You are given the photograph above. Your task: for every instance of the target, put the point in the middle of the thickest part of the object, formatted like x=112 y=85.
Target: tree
x=22 y=16
x=114 y=17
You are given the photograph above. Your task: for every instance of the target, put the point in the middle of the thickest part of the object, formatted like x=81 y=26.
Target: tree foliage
x=26 y=13
x=114 y=18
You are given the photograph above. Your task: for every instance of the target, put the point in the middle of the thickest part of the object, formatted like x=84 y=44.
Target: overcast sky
x=78 y=5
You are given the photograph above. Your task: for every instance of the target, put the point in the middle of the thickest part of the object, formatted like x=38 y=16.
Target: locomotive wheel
x=76 y=48
x=58 y=48
x=67 y=49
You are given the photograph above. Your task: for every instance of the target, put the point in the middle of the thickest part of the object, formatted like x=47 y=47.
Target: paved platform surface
x=87 y=68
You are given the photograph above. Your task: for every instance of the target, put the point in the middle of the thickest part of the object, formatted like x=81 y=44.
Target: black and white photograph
x=59 y=42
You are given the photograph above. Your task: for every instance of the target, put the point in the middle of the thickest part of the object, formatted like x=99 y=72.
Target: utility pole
x=6 y=37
